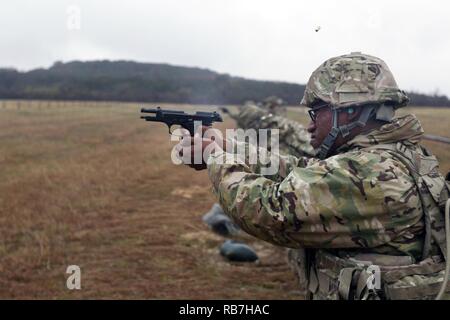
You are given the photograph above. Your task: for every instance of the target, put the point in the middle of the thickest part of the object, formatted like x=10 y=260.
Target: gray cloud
x=252 y=38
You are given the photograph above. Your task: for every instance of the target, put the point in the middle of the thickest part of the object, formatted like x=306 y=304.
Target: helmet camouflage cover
x=273 y=101
x=352 y=80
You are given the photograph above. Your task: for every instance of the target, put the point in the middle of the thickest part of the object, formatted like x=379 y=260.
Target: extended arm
x=349 y=201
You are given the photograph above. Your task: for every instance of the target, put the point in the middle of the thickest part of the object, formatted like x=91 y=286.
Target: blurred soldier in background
x=274 y=105
x=368 y=208
x=294 y=138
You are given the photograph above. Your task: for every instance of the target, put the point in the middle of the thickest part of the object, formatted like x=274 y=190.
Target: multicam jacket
x=362 y=198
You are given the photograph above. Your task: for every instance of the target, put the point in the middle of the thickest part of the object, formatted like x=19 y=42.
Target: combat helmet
x=351 y=81
x=354 y=79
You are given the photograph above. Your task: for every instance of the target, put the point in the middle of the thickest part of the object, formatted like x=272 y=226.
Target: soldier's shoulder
x=365 y=161
x=362 y=153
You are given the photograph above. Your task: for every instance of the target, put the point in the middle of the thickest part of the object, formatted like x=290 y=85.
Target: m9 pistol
x=181 y=118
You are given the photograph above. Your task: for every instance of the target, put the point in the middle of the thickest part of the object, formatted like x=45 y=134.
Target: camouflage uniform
x=363 y=199
x=274 y=105
x=355 y=199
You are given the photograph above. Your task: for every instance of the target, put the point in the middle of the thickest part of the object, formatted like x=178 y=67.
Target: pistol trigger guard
x=170 y=125
x=171 y=131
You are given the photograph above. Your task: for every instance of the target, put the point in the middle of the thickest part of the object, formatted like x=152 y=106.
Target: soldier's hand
x=195 y=150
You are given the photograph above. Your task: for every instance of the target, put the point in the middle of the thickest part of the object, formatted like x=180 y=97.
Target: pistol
x=189 y=122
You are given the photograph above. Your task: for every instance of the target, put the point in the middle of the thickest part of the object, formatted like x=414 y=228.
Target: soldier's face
x=321 y=126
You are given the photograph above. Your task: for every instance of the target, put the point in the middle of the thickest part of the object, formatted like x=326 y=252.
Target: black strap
x=361 y=122
x=330 y=138
x=344 y=130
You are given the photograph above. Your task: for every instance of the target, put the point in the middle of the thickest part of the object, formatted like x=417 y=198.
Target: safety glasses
x=313 y=112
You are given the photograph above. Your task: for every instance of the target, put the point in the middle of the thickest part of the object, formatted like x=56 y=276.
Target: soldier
x=294 y=138
x=274 y=105
x=368 y=207
x=241 y=122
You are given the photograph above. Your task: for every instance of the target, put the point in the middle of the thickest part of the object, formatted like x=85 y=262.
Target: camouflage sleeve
x=294 y=139
x=353 y=200
x=285 y=163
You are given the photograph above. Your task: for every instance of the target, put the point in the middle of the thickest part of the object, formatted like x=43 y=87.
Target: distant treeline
x=148 y=82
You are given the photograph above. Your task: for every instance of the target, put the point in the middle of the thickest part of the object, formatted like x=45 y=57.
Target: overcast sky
x=257 y=39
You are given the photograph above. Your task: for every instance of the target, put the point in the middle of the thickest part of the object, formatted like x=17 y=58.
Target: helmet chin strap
x=344 y=130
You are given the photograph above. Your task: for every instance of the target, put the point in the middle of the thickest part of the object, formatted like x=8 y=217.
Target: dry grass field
x=91 y=184
x=94 y=186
